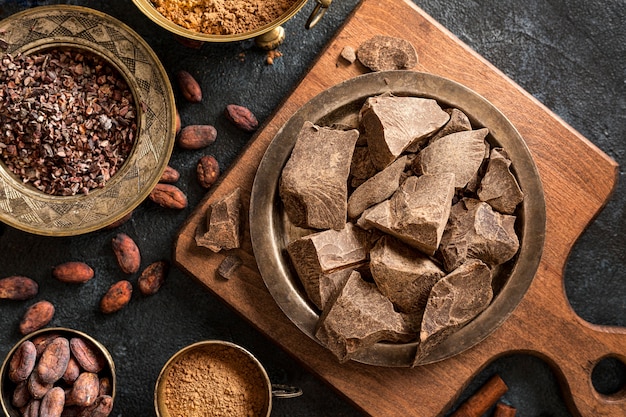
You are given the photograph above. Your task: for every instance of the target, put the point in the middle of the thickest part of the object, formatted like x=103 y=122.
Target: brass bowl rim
x=265 y=217
x=63 y=331
x=161 y=410
x=81 y=202
x=146 y=7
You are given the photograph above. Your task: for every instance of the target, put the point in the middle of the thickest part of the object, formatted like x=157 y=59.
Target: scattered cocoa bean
x=168 y=196
x=170 y=175
x=22 y=362
x=241 y=117
x=120 y=222
x=126 y=253
x=196 y=136
x=178 y=123
x=189 y=87
x=21 y=395
x=72 y=371
x=84 y=391
x=53 y=361
x=37 y=316
x=116 y=297
x=37 y=388
x=153 y=277
x=52 y=403
x=88 y=357
x=73 y=272
x=18 y=288
x=208 y=170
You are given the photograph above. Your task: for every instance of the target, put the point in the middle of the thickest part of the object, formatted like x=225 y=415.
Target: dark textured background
x=569 y=54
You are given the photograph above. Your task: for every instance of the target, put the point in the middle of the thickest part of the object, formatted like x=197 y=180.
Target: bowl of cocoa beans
x=57 y=371
x=88 y=120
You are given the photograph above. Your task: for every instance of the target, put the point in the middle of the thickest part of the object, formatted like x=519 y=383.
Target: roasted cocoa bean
x=87 y=355
x=73 y=272
x=21 y=395
x=116 y=297
x=84 y=391
x=170 y=175
x=153 y=277
x=32 y=409
x=196 y=136
x=52 y=403
x=241 y=117
x=207 y=170
x=189 y=87
x=37 y=316
x=18 y=288
x=73 y=370
x=37 y=388
x=168 y=196
x=178 y=123
x=53 y=361
x=22 y=361
x=42 y=341
x=105 y=386
x=126 y=253
x=100 y=408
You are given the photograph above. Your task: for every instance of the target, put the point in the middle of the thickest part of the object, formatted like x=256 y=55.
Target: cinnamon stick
x=483 y=399
x=503 y=410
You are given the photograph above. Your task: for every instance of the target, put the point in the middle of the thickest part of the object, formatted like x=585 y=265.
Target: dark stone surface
x=569 y=54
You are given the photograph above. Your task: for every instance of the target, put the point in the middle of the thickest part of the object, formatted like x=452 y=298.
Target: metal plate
x=271 y=231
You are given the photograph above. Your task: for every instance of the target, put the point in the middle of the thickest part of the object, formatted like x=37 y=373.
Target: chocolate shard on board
x=453 y=302
x=392 y=124
x=357 y=317
x=499 y=187
x=385 y=53
x=313 y=184
x=223 y=224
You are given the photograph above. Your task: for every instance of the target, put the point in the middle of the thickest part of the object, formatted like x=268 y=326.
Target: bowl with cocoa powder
x=57 y=370
x=87 y=116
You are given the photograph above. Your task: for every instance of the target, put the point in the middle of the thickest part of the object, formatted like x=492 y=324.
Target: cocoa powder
x=215 y=381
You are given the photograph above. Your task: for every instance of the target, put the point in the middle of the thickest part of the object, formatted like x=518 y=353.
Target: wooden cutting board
x=577 y=178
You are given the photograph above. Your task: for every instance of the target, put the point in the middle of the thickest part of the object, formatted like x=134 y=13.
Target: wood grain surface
x=577 y=178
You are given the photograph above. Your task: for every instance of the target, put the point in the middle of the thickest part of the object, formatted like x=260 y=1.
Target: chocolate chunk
x=392 y=124
x=228 y=266
x=361 y=166
x=461 y=153
x=402 y=274
x=357 y=317
x=417 y=212
x=384 y=53
x=453 y=302
x=499 y=187
x=320 y=155
x=324 y=252
x=349 y=54
x=223 y=224
x=475 y=231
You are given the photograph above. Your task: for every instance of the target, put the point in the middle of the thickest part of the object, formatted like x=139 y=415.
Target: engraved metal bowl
x=271 y=230
x=79 y=28
x=7 y=386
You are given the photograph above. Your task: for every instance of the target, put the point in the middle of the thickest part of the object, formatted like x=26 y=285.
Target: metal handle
x=318 y=12
x=285 y=391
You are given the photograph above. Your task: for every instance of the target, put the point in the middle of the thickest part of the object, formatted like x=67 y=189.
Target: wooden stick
x=503 y=410
x=483 y=399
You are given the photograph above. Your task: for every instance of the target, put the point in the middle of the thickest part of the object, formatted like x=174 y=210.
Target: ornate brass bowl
x=271 y=230
x=79 y=28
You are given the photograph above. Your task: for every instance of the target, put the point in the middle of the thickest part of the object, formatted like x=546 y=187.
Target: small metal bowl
x=79 y=28
x=7 y=386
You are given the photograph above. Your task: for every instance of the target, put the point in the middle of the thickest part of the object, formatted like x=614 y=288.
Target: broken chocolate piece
x=475 y=231
x=223 y=224
x=460 y=153
x=391 y=124
x=348 y=53
x=453 y=302
x=228 y=266
x=499 y=187
x=417 y=212
x=314 y=182
x=357 y=317
x=384 y=53
x=403 y=274
x=361 y=166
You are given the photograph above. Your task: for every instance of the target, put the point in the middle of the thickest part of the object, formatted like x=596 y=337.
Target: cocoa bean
x=100 y=408
x=241 y=117
x=87 y=355
x=73 y=370
x=23 y=361
x=126 y=253
x=116 y=297
x=52 y=403
x=178 y=123
x=53 y=361
x=73 y=272
x=208 y=170
x=105 y=386
x=18 y=288
x=169 y=176
x=32 y=409
x=71 y=411
x=189 y=87
x=196 y=136
x=42 y=341
x=84 y=391
x=153 y=277
x=37 y=388
x=37 y=316
x=168 y=196
x=21 y=395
